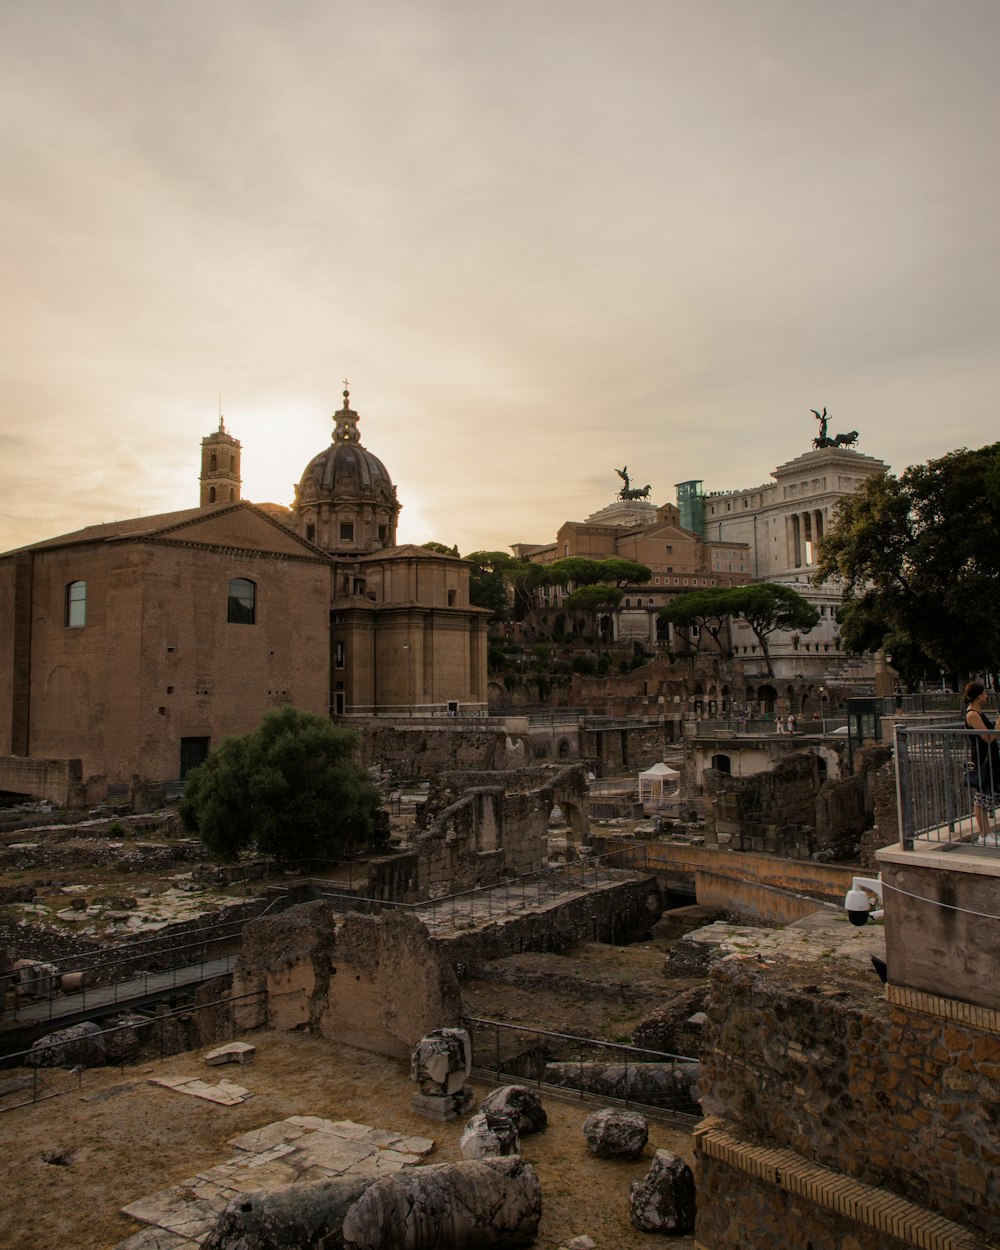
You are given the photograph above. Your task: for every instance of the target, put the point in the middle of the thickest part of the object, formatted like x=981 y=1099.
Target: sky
x=541 y=238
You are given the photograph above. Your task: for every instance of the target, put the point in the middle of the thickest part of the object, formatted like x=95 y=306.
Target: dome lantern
x=346 y=502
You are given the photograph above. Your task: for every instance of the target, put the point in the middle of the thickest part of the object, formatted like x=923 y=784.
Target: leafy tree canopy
x=581 y=571
x=440 y=548
x=698 y=608
x=919 y=560
x=291 y=789
x=594 y=598
x=765 y=606
x=488 y=579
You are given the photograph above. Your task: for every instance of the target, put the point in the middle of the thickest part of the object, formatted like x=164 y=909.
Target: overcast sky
x=543 y=240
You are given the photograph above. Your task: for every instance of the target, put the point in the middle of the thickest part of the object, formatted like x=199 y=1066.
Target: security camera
x=858 y=900
x=858 y=906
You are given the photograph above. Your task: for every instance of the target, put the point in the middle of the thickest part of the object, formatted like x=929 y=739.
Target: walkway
x=103 y=1000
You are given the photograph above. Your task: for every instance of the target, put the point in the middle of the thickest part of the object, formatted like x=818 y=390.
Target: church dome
x=346 y=501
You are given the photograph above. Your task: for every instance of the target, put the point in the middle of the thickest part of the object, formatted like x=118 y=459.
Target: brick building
x=133 y=647
x=679 y=560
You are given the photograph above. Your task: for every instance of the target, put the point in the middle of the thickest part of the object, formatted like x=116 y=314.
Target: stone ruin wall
x=57 y=781
x=788 y=811
x=425 y=751
x=491 y=832
x=380 y=982
x=375 y=982
x=616 y=916
x=613 y=752
x=887 y=1096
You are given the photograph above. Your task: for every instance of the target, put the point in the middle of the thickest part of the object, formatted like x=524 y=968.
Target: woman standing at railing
x=984 y=766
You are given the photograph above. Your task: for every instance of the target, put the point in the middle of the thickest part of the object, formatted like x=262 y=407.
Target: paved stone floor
x=301 y=1148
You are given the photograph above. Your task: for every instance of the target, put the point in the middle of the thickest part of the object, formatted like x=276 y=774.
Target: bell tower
x=220 y=467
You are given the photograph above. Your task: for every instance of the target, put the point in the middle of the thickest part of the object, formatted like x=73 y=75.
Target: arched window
x=722 y=764
x=211 y=494
x=214 y=464
x=242 y=602
x=76 y=605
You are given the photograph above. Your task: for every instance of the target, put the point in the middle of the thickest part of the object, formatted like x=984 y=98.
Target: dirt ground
x=72 y=1162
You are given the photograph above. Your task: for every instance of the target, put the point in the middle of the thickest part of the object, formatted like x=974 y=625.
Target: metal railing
x=941 y=799
x=760 y=725
x=104 y=986
x=517 y=894
x=46 y=1081
x=584 y=1067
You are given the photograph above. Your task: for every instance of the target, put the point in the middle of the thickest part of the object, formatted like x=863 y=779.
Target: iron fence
x=585 y=1067
x=501 y=898
x=761 y=725
x=43 y=997
x=941 y=798
x=45 y=1081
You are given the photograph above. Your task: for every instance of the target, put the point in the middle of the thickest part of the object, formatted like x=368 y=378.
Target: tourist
x=791 y=722
x=984 y=757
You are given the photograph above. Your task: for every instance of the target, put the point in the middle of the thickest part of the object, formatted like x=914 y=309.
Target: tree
x=767 y=606
x=580 y=571
x=594 y=601
x=489 y=580
x=919 y=560
x=291 y=789
x=699 y=609
x=440 y=548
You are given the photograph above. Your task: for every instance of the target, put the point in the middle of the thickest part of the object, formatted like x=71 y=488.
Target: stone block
x=233 y=1052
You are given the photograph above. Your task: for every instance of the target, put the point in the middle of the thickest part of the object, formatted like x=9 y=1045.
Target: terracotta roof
x=161 y=523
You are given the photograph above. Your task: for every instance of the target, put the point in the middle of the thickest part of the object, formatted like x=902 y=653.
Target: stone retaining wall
x=54 y=781
x=902 y=1100
x=617 y=914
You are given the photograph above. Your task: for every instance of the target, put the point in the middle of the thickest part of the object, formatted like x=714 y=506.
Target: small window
x=76 y=605
x=214 y=463
x=338 y=653
x=211 y=494
x=347 y=531
x=310 y=533
x=242 y=602
x=382 y=533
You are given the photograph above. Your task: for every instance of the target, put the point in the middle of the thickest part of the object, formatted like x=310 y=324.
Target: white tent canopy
x=652 y=781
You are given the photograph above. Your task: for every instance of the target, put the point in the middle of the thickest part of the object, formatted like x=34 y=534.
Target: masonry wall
x=56 y=781
x=425 y=750
x=376 y=982
x=625 y=749
x=766 y=887
x=740 y=1213
x=157 y=659
x=788 y=811
x=897 y=1099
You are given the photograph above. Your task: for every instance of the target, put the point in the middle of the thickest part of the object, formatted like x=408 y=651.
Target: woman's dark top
x=985 y=758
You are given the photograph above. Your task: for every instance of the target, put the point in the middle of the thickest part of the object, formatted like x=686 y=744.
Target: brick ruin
x=794 y=810
x=837 y=1117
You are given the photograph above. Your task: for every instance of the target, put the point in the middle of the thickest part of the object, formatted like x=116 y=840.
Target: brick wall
x=899 y=1100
